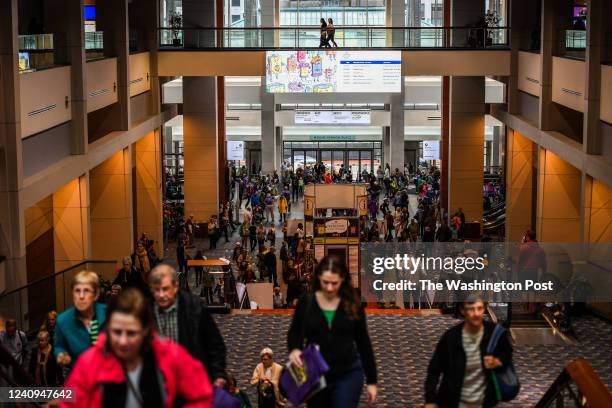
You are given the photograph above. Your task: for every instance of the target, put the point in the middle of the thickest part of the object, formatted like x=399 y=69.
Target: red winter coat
x=182 y=375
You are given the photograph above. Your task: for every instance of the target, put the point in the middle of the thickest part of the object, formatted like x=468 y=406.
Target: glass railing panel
x=575 y=39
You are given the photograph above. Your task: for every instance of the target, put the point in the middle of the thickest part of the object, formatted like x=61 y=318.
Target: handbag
x=299 y=384
x=505 y=380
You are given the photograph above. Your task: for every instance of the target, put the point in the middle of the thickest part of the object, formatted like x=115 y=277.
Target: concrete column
x=113 y=20
x=515 y=42
x=465 y=13
x=386 y=144
x=466 y=146
x=270 y=17
x=111 y=214
x=396 y=132
x=269 y=160
x=591 y=140
x=12 y=218
x=200 y=146
x=279 y=146
x=397 y=19
x=148 y=189
x=520 y=168
x=71 y=228
x=199 y=14
x=549 y=114
x=64 y=18
x=497 y=147
x=559 y=200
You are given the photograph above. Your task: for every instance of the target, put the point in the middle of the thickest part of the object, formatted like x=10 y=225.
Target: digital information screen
x=303 y=117
x=316 y=71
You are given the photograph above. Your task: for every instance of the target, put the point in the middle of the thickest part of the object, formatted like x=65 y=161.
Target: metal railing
x=579 y=385
x=29 y=304
x=575 y=39
x=345 y=37
x=94 y=40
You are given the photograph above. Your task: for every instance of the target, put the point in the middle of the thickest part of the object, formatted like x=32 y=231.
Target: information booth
x=331 y=213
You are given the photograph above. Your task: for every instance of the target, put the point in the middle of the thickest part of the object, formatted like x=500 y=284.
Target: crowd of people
x=163 y=347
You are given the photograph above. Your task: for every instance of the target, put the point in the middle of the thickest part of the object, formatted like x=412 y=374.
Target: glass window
x=235 y=3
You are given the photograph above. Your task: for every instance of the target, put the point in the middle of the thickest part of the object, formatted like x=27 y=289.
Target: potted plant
x=176 y=22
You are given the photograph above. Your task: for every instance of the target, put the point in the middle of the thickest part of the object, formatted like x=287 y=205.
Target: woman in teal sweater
x=77 y=328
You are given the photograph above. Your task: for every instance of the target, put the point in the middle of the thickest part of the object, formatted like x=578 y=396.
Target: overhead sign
x=235 y=150
x=319 y=71
x=431 y=150
x=332 y=138
x=306 y=117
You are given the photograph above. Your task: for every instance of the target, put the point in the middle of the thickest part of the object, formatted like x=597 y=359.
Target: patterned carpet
x=403 y=345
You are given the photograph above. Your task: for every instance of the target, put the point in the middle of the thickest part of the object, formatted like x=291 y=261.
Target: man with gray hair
x=183 y=318
x=128 y=277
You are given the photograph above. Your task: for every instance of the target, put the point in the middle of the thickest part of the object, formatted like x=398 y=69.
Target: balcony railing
x=575 y=39
x=29 y=304
x=345 y=37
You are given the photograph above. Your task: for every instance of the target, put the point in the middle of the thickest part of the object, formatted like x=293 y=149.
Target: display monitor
x=579 y=17
x=319 y=71
x=307 y=117
x=24 y=61
x=90 y=12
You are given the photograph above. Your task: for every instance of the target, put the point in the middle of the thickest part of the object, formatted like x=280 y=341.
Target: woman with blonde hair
x=266 y=377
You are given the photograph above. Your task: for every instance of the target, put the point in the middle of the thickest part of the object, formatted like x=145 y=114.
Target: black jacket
x=449 y=361
x=341 y=346
x=131 y=279
x=199 y=334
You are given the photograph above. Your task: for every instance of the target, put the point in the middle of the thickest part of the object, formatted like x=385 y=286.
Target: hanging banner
x=431 y=150
x=308 y=206
x=235 y=150
x=362 y=204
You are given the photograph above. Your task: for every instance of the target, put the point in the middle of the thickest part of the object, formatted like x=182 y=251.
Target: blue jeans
x=343 y=391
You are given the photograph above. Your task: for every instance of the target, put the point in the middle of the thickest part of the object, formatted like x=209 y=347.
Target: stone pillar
x=520 y=185
x=396 y=131
x=497 y=147
x=12 y=215
x=147 y=168
x=111 y=213
x=397 y=20
x=113 y=20
x=465 y=13
x=71 y=228
x=199 y=14
x=466 y=139
x=591 y=140
x=559 y=200
x=269 y=160
x=270 y=17
x=200 y=147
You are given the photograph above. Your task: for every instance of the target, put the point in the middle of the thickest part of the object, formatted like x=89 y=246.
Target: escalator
x=532 y=327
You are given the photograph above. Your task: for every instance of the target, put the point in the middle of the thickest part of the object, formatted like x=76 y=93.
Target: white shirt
x=474 y=382
x=131 y=400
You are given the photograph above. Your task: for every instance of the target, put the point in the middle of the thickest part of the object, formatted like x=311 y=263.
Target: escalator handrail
x=586 y=379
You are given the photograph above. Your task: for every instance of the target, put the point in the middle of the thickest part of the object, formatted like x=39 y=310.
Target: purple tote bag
x=300 y=383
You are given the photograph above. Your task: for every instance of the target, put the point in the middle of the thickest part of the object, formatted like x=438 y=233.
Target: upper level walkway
x=360 y=37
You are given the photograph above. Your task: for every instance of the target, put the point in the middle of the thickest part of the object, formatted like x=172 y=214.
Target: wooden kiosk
x=331 y=214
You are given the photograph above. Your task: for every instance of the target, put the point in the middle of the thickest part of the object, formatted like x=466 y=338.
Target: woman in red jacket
x=130 y=366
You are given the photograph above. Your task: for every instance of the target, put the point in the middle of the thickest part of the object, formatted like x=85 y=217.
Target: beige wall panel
x=600 y=216
x=457 y=63
x=43 y=110
x=139 y=73
x=38 y=219
x=568 y=83
x=211 y=63
x=559 y=200
x=606 y=94
x=69 y=225
x=252 y=63
x=148 y=188
x=101 y=83
x=529 y=72
x=111 y=207
x=519 y=191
